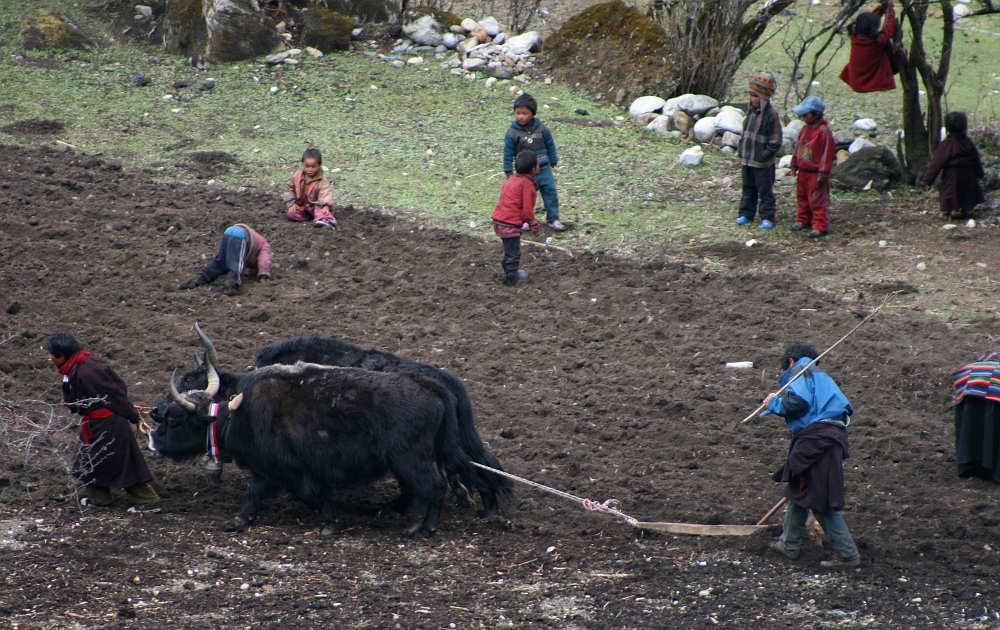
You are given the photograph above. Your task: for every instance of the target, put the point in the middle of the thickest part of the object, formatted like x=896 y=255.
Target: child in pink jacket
x=308 y=194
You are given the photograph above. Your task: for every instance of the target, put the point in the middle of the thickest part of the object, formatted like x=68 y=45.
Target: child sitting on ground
x=817 y=414
x=527 y=133
x=308 y=193
x=242 y=251
x=814 y=156
x=515 y=209
x=962 y=167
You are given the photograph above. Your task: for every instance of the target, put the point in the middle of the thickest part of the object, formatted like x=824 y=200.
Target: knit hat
x=763 y=85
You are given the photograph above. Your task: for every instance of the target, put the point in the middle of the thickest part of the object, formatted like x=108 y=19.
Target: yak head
x=183 y=429
x=196 y=379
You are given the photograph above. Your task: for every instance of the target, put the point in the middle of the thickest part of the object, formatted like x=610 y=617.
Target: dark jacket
x=761 y=137
x=814 y=469
x=536 y=137
x=869 y=68
x=959 y=159
x=113 y=458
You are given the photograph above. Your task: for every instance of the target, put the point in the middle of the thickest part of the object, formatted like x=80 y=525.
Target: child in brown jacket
x=958 y=159
x=308 y=193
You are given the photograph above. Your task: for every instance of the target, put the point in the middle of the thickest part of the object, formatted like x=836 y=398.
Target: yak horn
x=235 y=403
x=213 y=380
x=198 y=361
x=186 y=404
x=210 y=353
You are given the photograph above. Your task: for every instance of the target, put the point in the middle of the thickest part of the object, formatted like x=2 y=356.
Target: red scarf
x=77 y=359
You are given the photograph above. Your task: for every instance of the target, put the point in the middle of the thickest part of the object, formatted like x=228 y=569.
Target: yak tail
x=494 y=490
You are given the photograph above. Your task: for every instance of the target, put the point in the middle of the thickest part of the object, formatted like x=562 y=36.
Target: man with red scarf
x=110 y=457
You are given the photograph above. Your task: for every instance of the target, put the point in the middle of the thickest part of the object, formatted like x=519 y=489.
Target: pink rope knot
x=593 y=506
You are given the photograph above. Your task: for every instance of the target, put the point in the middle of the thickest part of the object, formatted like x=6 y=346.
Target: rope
x=608 y=507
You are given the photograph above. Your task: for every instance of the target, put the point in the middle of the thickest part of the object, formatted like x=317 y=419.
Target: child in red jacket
x=517 y=209
x=814 y=156
x=869 y=68
x=308 y=193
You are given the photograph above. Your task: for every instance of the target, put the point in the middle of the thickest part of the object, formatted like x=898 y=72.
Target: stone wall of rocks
x=470 y=49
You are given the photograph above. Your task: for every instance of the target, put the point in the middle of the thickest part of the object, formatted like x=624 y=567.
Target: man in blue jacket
x=527 y=133
x=817 y=413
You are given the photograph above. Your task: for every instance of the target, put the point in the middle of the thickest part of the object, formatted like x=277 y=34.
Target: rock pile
x=479 y=46
x=699 y=118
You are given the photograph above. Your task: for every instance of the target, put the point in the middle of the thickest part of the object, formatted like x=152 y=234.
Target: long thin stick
x=777 y=507
x=562 y=249
x=813 y=362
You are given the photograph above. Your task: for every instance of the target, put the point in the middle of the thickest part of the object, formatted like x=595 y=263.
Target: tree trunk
x=915 y=142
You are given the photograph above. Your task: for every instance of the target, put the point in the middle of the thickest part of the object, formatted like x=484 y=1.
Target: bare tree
x=814 y=38
x=45 y=439
x=711 y=38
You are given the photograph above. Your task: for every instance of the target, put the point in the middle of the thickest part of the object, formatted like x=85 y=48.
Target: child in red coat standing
x=814 y=156
x=869 y=68
x=517 y=209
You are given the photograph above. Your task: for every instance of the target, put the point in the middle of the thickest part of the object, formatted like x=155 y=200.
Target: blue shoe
x=766 y=225
x=742 y=221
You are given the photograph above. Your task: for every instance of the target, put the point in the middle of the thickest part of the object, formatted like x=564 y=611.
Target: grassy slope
x=422 y=142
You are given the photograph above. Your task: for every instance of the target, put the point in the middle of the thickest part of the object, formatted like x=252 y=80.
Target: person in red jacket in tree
x=814 y=157
x=516 y=212
x=869 y=68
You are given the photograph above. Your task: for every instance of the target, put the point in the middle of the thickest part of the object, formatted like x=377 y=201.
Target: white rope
x=608 y=507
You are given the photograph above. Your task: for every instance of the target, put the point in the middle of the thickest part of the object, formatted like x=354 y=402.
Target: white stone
x=473 y=63
x=645 y=105
x=785 y=162
x=948 y=227
x=144 y=11
x=295 y=52
x=357 y=32
x=704 y=129
x=662 y=125
x=276 y=58
x=315 y=54
x=524 y=43
x=730 y=120
x=450 y=40
x=748 y=245
x=415 y=61
x=971 y=223
x=692 y=104
x=691 y=157
x=858 y=144
x=398 y=64
x=730 y=139
x=490 y=82
x=727 y=181
x=865 y=124
x=499 y=39
x=961 y=11
x=457 y=71
x=491 y=25
x=274 y=90
x=728 y=150
x=883 y=243
x=292 y=62
x=469 y=24
x=426 y=31
x=782 y=173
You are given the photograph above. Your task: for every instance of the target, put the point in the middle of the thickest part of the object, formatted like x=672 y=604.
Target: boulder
x=458 y=30
x=728 y=150
x=782 y=173
x=144 y=10
x=645 y=119
x=480 y=33
x=796 y=126
x=692 y=104
x=326 y=30
x=366 y=11
x=450 y=40
x=491 y=25
x=843 y=138
x=858 y=144
x=865 y=124
x=48 y=28
x=704 y=129
x=785 y=161
x=524 y=43
x=499 y=71
x=499 y=39
x=467 y=45
x=842 y=156
x=682 y=122
x=791 y=134
x=992 y=203
x=691 y=157
x=871 y=164
x=730 y=139
x=787 y=148
x=425 y=30
x=662 y=125
x=219 y=30
x=645 y=105
x=473 y=63
x=730 y=120
x=469 y=25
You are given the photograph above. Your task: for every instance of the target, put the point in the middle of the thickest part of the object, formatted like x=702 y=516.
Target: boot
x=517 y=276
x=196 y=282
x=231 y=287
